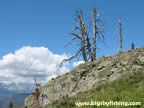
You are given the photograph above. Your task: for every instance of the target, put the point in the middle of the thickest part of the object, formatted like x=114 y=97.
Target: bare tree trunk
x=84 y=30
x=83 y=36
x=89 y=47
x=80 y=33
x=83 y=50
x=94 y=34
x=120 y=47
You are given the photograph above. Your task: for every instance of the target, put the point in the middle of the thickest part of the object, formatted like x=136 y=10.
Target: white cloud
x=23 y=64
x=75 y=64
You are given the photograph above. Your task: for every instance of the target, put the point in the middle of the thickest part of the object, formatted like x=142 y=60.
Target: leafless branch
x=75 y=35
x=70 y=42
x=69 y=59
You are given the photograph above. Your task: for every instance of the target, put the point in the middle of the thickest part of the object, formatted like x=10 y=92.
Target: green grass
x=129 y=88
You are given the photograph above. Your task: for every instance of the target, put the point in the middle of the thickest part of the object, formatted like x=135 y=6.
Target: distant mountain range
x=17 y=99
x=15 y=93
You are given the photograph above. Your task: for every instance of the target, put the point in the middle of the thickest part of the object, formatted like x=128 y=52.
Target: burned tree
x=94 y=33
x=36 y=94
x=120 y=35
x=86 y=37
x=81 y=34
x=98 y=30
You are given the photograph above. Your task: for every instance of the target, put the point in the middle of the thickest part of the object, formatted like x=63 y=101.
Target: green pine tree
x=10 y=105
x=132 y=46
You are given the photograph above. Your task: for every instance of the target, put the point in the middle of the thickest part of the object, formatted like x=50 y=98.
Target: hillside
x=116 y=77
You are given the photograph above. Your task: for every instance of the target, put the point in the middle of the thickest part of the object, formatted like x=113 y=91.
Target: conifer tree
x=132 y=46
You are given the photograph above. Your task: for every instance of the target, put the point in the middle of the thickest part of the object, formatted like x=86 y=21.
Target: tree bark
x=94 y=34
x=120 y=47
x=83 y=37
x=84 y=30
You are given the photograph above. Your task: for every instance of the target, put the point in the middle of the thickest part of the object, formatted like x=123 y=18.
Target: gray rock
x=137 y=67
x=141 y=59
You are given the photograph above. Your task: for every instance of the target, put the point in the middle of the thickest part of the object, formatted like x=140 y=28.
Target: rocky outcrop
x=91 y=74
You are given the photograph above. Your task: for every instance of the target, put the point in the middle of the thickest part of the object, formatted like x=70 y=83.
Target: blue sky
x=42 y=24
x=47 y=23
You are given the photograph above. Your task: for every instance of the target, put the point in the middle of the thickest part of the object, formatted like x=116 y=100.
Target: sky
x=33 y=33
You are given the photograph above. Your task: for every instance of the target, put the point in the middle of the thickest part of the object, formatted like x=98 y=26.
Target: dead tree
x=120 y=35
x=81 y=36
x=79 y=16
x=80 y=33
x=85 y=34
x=98 y=31
x=36 y=103
x=94 y=33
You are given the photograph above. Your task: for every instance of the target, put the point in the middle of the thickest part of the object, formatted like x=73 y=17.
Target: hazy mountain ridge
x=17 y=99
x=90 y=75
x=14 y=93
